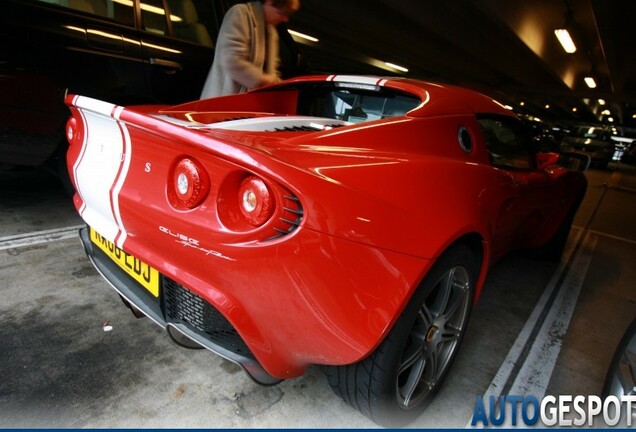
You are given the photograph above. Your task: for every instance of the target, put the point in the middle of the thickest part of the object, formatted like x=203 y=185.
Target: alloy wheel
x=434 y=338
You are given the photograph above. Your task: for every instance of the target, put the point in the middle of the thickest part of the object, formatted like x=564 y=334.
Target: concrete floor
x=59 y=368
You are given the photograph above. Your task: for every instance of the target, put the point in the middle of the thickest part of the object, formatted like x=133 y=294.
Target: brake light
x=189 y=184
x=255 y=201
x=73 y=131
x=256 y=209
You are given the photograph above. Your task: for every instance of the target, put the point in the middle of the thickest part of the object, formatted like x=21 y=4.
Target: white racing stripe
x=97 y=106
x=38 y=237
x=102 y=167
x=369 y=80
x=119 y=183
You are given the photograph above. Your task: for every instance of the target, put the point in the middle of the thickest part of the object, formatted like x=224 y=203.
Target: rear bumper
x=181 y=309
x=275 y=310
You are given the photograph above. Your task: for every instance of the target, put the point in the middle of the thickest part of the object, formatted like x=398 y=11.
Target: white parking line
x=530 y=362
x=613 y=237
x=534 y=376
x=38 y=237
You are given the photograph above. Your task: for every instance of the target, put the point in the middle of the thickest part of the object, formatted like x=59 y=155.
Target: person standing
x=246 y=53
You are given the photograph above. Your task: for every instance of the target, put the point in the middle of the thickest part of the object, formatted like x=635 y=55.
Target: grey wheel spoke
x=426 y=316
x=453 y=306
x=457 y=302
x=432 y=366
x=413 y=367
x=434 y=336
x=451 y=334
x=445 y=292
x=415 y=371
x=414 y=357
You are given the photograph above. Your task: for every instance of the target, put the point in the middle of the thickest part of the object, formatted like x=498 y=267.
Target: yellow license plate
x=147 y=276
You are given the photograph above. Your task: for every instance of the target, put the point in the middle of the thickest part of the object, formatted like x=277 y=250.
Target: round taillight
x=255 y=201
x=73 y=132
x=70 y=130
x=190 y=183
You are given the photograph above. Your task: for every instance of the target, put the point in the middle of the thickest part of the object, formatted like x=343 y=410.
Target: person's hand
x=269 y=79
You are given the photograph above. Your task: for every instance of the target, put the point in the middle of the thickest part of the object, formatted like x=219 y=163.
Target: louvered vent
x=305 y=128
x=291 y=219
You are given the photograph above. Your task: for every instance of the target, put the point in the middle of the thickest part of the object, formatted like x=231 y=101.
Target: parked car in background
x=546 y=136
x=625 y=143
x=595 y=141
x=344 y=221
x=120 y=51
x=629 y=155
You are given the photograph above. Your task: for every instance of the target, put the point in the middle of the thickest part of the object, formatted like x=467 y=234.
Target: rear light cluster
x=244 y=201
x=190 y=184
x=255 y=200
x=74 y=131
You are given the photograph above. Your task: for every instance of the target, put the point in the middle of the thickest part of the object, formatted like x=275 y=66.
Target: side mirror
x=574 y=161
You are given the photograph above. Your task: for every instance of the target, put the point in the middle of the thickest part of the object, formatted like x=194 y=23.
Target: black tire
x=396 y=382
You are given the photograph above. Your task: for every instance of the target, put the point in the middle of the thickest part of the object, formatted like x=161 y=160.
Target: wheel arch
x=477 y=244
x=369 y=385
x=480 y=247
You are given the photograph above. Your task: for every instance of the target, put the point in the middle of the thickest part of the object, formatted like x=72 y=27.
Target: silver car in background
x=594 y=141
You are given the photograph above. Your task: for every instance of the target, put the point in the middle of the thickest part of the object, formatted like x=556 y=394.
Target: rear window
x=355 y=104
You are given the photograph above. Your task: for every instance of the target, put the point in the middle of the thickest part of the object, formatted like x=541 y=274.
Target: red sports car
x=343 y=221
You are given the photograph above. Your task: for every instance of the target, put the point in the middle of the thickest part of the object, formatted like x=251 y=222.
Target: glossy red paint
x=355 y=214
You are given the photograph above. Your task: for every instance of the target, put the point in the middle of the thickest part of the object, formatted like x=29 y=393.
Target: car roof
x=437 y=99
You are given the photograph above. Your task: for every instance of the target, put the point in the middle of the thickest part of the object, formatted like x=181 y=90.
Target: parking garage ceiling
x=505 y=48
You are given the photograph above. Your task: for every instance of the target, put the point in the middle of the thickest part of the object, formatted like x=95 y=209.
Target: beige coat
x=240 y=52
